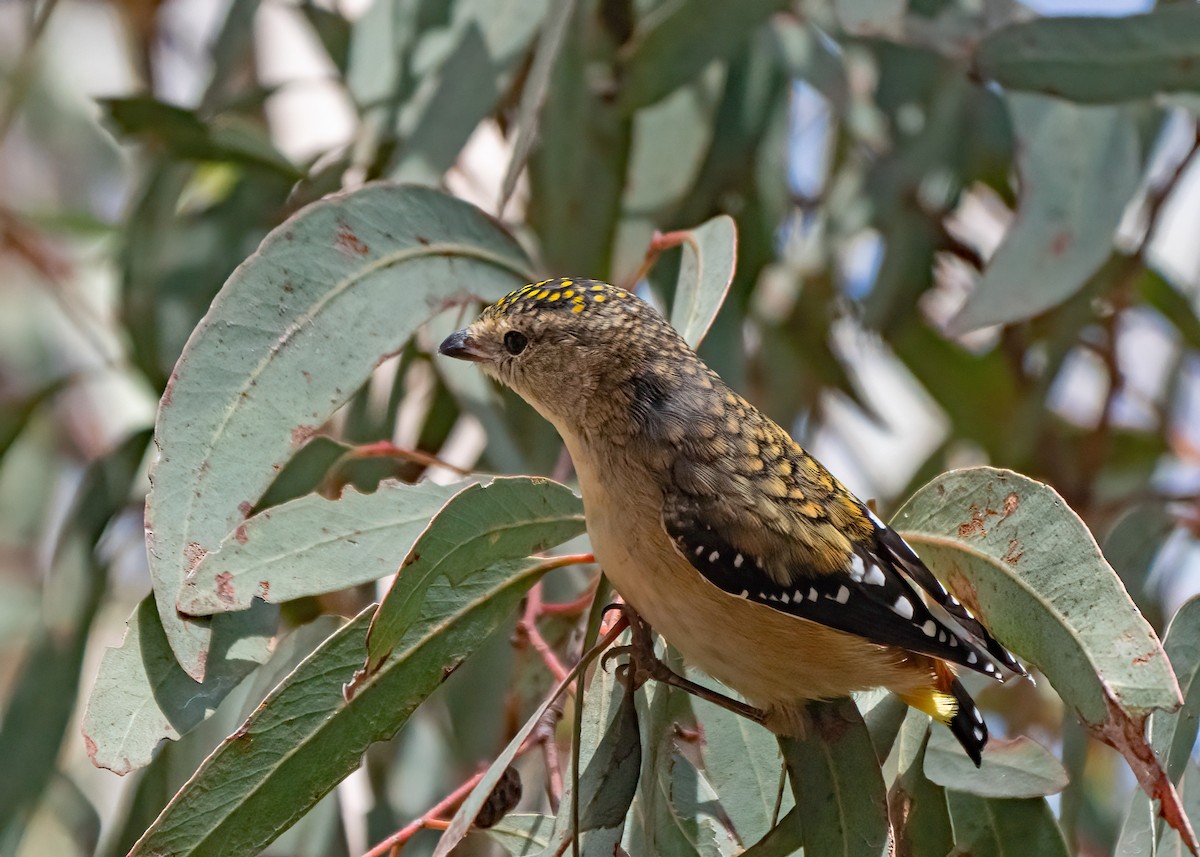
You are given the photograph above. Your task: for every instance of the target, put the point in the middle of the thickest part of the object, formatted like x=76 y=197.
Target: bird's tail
x=948 y=702
x=967 y=723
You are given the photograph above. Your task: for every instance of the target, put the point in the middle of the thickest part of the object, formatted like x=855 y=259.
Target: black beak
x=459 y=345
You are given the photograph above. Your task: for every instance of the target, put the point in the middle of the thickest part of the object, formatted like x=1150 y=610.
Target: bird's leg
x=644 y=665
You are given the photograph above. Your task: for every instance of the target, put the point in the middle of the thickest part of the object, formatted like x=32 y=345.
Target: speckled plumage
x=721 y=531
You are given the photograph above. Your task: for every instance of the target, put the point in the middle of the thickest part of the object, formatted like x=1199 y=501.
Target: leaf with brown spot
x=1061 y=607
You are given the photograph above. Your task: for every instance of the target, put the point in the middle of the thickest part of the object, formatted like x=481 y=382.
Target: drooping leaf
x=508 y=518
x=841 y=800
x=312 y=545
x=307 y=736
x=246 y=392
x=476 y=53
x=920 y=816
x=1172 y=734
x=1011 y=549
x=1016 y=768
x=1098 y=59
x=608 y=783
x=744 y=765
x=1065 y=218
x=986 y=827
x=705 y=274
x=142 y=696
x=534 y=92
x=675 y=41
x=577 y=174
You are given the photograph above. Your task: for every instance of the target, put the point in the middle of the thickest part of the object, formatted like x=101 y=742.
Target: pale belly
x=774 y=660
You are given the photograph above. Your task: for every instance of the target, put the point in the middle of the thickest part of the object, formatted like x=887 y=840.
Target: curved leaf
x=1098 y=59
x=505 y=519
x=840 y=796
x=293 y=333
x=705 y=274
x=917 y=806
x=1012 y=550
x=306 y=736
x=312 y=545
x=1016 y=768
x=989 y=828
x=1017 y=555
x=676 y=41
x=1065 y=219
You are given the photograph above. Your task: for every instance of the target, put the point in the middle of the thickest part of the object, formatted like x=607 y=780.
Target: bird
x=737 y=546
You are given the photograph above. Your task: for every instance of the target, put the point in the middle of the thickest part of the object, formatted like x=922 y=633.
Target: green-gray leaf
x=312 y=545
x=306 y=736
x=1009 y=769
x=840 y=795
x=1066 y=218
x=272 y=359
x=1098 y=59
x=505 y=519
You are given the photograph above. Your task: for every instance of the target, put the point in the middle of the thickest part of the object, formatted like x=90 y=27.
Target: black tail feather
x=967 y=723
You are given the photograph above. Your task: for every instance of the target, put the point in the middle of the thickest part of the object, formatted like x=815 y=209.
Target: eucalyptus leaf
x=508 y=518
x=307 y=735
x=1098 y=59
x=312 y=545
x=247 y=391
x=841 y=800
x=1065 y=219
x=1015 y=768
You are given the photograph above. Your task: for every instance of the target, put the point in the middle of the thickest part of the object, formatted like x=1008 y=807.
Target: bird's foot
x=643 y=665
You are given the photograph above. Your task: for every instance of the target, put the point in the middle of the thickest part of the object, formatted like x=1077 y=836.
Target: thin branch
x=387 y=449
x=393 y=844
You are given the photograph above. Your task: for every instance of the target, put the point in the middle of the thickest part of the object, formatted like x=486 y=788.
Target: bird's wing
x=869 y=589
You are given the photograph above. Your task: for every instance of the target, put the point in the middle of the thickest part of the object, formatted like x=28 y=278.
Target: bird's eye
x=515 y=342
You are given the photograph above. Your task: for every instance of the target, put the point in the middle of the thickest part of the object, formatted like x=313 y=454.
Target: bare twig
x=387 y=449
x=393 y=844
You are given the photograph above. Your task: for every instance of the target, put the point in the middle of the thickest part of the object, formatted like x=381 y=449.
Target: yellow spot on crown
x=566 y=283
x=554 y=297
x=569 y=293
x=577 y=308
x=599 y=298
x=542 y=294
x=597 y=288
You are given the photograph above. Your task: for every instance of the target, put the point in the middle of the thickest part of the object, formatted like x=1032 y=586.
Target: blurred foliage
x=953 y=249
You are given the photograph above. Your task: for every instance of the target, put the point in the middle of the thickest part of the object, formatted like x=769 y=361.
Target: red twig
x=430 y=820
x=387 y=449
x=527 y=631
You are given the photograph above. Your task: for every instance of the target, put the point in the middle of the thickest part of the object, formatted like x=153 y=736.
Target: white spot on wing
x=971 y=659
x=930 y=628
x=857 y=568
x=737 y=561
x=978 y=733
x=843 y=595
x=875 y=576
x=714 y=556
x=812 y=593
x=699 y=549
x=903 y=607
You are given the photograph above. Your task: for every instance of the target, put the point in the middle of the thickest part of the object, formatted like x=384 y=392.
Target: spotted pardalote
x=734 y=543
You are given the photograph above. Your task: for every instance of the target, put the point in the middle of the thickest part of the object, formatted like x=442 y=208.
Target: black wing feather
x=893 y=545
x=872 y=599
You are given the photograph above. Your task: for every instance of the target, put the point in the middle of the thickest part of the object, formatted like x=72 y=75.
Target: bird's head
x=569 y=347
